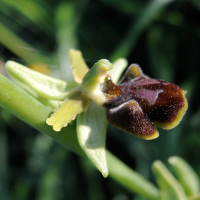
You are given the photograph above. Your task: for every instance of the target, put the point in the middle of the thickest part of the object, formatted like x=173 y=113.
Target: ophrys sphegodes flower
x=137 y=104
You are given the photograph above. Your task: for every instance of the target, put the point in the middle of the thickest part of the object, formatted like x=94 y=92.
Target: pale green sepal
x=94 y=78
x=91 y=132
x=186 y=175
x=78 y=65
x=170 y=188
x=74 y=104
x=44 y=86
x=118 y=67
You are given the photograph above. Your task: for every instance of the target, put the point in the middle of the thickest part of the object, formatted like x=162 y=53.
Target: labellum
x=138 y=103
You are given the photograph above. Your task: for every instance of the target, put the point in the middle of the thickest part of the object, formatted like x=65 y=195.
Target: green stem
x=25 y=107
x=16 y=101
x=130 y=179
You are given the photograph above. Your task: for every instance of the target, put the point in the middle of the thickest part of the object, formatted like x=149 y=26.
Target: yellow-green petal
x=118 y=67
x=67 y=111
x=78 y=65
x=44 y=86
x=91 y=132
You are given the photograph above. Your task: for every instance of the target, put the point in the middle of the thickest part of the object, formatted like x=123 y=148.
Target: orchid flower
x=137 y=104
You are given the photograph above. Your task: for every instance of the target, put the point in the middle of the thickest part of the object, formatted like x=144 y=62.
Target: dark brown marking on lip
x=161 y=102
x=130 y=117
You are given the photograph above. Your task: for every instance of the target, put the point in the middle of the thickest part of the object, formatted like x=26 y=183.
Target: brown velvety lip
x=138 y=102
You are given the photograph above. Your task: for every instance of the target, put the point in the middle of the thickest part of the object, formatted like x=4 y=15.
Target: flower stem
x=16 y=101
x=130 y=179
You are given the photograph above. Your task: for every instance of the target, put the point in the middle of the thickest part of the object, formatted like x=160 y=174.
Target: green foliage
x=161 y=36
x=187 y=176
x=91 y=129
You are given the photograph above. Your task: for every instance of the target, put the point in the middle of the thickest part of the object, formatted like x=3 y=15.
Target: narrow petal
x=67 y=111
x=133 y=73
x=118 y=67
x=130 y=117
x=78 y=65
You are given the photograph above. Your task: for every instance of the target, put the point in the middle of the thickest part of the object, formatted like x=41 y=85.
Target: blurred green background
x=162 y=36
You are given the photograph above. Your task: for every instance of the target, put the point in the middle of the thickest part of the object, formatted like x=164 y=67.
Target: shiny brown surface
x=136 y=103
x=161 y=100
